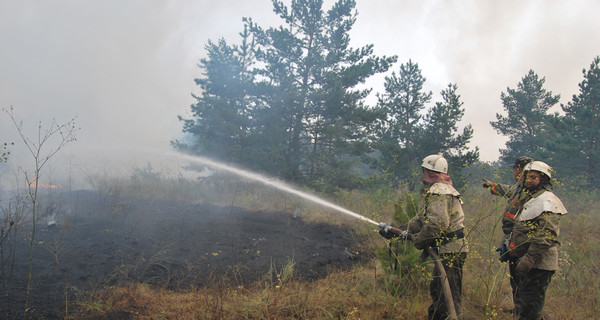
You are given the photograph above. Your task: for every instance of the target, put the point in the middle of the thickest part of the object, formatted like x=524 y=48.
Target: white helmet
x=435 y=162
x=540 y=167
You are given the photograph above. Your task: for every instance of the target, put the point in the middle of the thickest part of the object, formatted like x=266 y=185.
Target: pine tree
x=222 y=115
x=526 y=122
x=403 y=136
x=309 y=77
x=400 y=129
x=442 y=136
x=582 y=118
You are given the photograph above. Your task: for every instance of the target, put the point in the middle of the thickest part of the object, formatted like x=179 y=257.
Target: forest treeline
x=290 y=101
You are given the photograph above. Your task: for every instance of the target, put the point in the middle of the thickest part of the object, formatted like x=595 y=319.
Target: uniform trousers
x=453 y=265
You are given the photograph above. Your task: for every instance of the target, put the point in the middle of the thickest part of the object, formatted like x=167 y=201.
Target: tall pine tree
x=408 y=131
x=309 y=77
x=582 y=118
x=399 y=131
x=442 y=136
x=526 y=122
x=222 y=116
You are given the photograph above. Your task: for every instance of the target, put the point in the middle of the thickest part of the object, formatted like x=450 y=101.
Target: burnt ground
x=101 y=241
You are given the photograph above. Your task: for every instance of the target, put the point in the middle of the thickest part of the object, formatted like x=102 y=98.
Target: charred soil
x=99 y=241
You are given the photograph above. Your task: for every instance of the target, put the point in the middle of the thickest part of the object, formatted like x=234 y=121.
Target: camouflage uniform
x=513 y=193
x=439 y=224
x=516 y=198
x=535 y=237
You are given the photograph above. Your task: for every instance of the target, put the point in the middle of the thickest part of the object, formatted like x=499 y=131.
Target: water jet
x=271 y=182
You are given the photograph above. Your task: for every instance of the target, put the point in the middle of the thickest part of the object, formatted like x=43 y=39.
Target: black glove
x=387 y=233
x=503 y=251
x=391 y=233
x=487 y=183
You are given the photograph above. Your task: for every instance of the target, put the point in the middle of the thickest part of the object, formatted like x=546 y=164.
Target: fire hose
x=445 y=284
x=446 y=291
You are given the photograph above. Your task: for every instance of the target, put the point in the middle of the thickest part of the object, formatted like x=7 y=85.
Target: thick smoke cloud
x=485 y=47
x=125 y=69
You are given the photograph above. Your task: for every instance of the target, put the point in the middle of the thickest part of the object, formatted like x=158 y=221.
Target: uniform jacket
x=537 y=227
x=515 y=198
x=440 y=214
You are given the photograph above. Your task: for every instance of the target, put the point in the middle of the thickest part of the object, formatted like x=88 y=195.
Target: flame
x=42 y=185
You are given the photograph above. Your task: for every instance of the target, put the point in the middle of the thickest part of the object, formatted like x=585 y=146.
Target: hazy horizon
x=125 y=70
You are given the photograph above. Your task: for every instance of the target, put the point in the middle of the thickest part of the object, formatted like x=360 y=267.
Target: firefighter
x=438 y=225
x=515 y=197
x=511 y=192
x=535 y=238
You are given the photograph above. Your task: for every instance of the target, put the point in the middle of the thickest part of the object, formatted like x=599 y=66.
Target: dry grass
x=358 y=294
x=366 y=292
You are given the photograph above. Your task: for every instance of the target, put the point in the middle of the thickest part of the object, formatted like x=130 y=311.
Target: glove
x=387 y=233
x=524 y=265
x=405 y=235
x=502 y=250
x=487 y=183
x=386 y=230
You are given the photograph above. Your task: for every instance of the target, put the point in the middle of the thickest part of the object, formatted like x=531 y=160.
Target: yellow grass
x=364 y=291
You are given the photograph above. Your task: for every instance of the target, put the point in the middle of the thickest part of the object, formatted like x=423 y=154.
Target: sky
x=125 y=69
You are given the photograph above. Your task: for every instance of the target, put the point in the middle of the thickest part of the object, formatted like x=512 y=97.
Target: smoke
x=485 y=47
x=125 y=69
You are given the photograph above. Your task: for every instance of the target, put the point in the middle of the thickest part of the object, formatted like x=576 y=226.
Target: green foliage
x=221 y=123
x=309 y=76
x=527 y=121
x=403 y=136
x=577 y=138
x=403 y=260
x=145 y=173
x=288 y=101
x=569 y=142
x=442 y=135
x=399 y=129
x=406 y=208
x=401 y=257
x=285 y=102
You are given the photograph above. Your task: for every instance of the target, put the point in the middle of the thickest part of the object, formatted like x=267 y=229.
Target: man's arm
x=435 y=222
x=499 y=189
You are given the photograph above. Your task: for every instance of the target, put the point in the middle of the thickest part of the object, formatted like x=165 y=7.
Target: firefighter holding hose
x=438 y=229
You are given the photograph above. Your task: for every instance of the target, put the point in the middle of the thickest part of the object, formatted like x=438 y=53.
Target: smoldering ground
x=89 y=239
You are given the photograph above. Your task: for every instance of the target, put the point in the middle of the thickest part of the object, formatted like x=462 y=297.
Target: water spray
x=274 y=183
x=284 y=187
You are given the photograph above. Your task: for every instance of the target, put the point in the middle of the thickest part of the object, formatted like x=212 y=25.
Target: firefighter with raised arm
x=438 y=228
x=535 y=239
x=515 y=196
x=510 y=192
